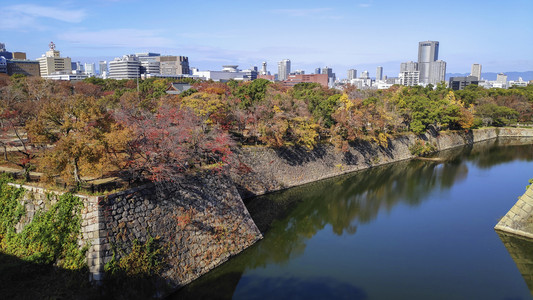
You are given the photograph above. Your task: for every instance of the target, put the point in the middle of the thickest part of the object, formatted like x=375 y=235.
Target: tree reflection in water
x=290 y=218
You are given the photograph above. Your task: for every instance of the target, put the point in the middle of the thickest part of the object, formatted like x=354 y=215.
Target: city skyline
x=213 y=34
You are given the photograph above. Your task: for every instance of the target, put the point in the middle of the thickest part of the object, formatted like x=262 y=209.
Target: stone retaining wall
x=519 y=220
x=200 y=223
x=38 y=199
x=266 y=170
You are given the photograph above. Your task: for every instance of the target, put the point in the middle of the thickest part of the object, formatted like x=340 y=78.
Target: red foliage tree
x=172 y=141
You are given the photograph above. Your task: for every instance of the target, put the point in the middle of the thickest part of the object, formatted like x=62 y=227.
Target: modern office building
x=352 y=74
x=102 y=68
x=428 y=52
x=379 y=73
x=19 y=55
x=518 y=83
x=409 y=66
x=3 y=65
x=365 y=75
x=264 y=69
x=24 y=67
x=476 y=71
x=228 y=72
x=459 y=83
x=52 y=62
x=150 y=63
x=437 y=72
x=174 y=65
x=409 y=78
x=3 y=52
x=76 y=66
x=318 y=71
x=90 y=69
x=501 y=78
x=292 y=80
x=127 y=67
x=284 y=69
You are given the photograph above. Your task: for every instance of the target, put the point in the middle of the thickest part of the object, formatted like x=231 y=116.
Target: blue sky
x=342 y=34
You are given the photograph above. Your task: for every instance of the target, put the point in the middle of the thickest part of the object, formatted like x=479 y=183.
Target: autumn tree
x=81 y=136
x=171 y=141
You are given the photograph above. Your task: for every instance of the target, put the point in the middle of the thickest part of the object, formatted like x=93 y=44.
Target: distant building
x=228 y=72
x=352 y=74
x=409 y=66
x=74 y=76
x=409 y=78
x=24 y=67
x=174 y=65
x=76 y=66
x=379 y=73
x=476 y=71
x=437 y=72
x=19 y=55
x=127 y=67
x=331 y=75
x=267 y=77
x=3 y=52
x=365 y=75
x=292 y=80
x=102 y=68
x=518 y=83
x=298 y=72
x=362 y=83
x=3 y=65
x=459 y=83
x=90 y=69
x=264 y=69
x=501 y=78
x=318 y=71
x=428 y=52
x=52 y=62
x=284 y=69
x=150 y=63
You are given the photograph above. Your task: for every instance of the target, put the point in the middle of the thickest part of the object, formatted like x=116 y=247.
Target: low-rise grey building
x=459 y=83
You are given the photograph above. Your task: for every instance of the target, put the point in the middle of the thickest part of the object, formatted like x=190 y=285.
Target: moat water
x=409 y=230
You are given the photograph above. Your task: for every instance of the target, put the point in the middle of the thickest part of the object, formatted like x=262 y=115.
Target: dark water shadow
x=521 y=251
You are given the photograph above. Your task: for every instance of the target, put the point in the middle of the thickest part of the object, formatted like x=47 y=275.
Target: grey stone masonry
x=38 y=199
x=519 y=220
x=266 y=169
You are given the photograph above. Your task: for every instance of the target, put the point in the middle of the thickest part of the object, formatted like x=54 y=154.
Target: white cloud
x=130 y=38
x=28 y=16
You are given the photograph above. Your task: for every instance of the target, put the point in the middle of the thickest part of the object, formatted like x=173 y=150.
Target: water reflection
x=521 y=251
x=290 y=218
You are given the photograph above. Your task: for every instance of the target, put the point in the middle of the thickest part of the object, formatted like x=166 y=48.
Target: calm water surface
x=410 y=230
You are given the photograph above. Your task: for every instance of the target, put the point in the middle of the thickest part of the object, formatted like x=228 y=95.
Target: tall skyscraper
x=284 y=69
x=428 y=52
x=264 y=69
x=379 y=73
x=318 y=71
x=476 y=71
x=352 y=74
x=365 y=75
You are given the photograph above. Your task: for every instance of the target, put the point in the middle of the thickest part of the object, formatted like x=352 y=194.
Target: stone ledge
x=519 y=216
